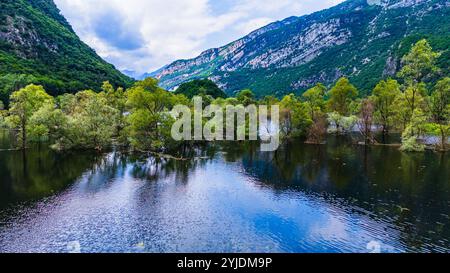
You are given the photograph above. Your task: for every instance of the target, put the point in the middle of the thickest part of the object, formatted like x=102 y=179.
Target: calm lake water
x=333 y=198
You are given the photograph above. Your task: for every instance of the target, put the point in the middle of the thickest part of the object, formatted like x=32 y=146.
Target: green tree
x=341 y=124
x=269 y=100
x=202 y=87
x=439 y=108
x=412 y=132
x=67 y=103
x=149 y=84
x=3 y=113
x=92 y=124
x=384 y=96
x=412 y=98
x=149 y=120
x=23 y=104
x=48 y=123
x=295 y=119
x=116 y=99
x=13 y=82
x=315 y=99
x=341 y=95
x=419 y=63
x=246 y=97
x=365 y=121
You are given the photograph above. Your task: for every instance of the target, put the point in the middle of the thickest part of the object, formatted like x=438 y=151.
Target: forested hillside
x=38 y=45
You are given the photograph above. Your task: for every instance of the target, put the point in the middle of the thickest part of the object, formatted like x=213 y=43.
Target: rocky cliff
x=362 y=39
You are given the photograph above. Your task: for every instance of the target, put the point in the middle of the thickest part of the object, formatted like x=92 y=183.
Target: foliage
x=23 y=104
x=413 y=131
x=202 y=88
x=341 y=124
x=341 y=95
x=47 y=123
x=315 y=100
x=3 y=114
x=439 y=108
x=365 y=121
x=384 y=96
x=294 y=117
x=318 y=130
x=139 y=116
x=93 y=124
x=419 y=63
x=269 y=100
x=149 y=122
x=116 y=98
x=82 y=121
x=410 y=144
x=246 y=97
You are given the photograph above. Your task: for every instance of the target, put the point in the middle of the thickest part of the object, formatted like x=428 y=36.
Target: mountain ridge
x=297 y=52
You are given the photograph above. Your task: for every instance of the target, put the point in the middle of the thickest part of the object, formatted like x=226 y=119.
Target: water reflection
x=410 y=190
x=39 y=172
x=303 y=198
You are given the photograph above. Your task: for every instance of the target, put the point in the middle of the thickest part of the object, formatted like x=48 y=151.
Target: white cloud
x=253 y=24
x=144 y=35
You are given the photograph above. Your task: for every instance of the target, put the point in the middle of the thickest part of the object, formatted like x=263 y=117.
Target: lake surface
x=334 y=198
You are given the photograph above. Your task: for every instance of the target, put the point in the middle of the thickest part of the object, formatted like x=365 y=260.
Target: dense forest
x=139 y=117
x=37 y=45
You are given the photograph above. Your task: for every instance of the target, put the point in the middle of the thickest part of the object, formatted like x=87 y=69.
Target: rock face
x=358 y=38
x=24 y=37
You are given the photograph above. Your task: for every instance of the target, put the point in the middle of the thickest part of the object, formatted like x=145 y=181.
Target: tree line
x=139 y=116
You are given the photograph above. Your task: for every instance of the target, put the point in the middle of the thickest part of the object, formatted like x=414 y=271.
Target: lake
x=337 y=197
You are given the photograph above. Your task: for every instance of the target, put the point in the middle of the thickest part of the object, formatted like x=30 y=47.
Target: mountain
x=131 y=73
x=361 y=39
x=38 y=45
x=153 y=74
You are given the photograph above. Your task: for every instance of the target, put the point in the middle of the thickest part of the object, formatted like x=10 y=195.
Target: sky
x=144 y=35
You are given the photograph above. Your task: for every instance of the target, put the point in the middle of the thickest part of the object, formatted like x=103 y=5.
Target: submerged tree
x=3 y=113
x=439 y=108
x=341 y=124
x=294 y=118
x=149 y=122
x=341 y=96
x=81 y=121
x=315 y=103
x=413 y=131
x=365 y=122
x=116 y=99
x=23 y=104
x=315 y=100
x=384 y=96
x=94 y=122
x=48 y=123
x=418 y=66
x=318 y=130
